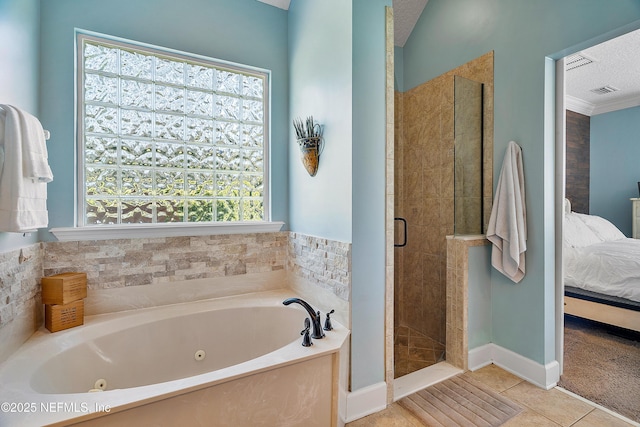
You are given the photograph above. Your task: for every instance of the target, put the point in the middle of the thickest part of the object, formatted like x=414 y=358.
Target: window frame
x=166 y=228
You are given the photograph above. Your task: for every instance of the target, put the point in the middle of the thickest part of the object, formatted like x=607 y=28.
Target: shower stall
x=443 y=175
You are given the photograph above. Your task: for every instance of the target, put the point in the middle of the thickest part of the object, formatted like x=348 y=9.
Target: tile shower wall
x=457 y=341
x=425 y=192
x=132 y=262
x=325 y=263
x=427 y=204
x=20 y=299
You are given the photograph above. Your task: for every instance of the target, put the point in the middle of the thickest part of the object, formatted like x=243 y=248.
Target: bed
x=601 y=271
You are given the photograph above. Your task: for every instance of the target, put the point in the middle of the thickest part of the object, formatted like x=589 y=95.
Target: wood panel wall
x=577 y=157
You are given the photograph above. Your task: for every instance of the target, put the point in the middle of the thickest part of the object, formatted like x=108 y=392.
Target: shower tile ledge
x=467 y=237
x=423 y=378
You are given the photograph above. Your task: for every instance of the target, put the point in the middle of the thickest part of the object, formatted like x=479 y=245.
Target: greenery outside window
x=167 y=137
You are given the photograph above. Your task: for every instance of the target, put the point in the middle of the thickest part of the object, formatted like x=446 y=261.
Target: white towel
x=23 y=187
x=23 y=128
x=507 y=229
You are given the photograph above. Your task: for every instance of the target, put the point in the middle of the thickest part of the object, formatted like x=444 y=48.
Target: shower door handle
x=404 y=223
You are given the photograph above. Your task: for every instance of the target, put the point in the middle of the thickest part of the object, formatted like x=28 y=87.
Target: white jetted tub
x=229 y=361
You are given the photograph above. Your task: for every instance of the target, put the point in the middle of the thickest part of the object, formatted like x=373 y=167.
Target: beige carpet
x=602 y=364
x=460 y=401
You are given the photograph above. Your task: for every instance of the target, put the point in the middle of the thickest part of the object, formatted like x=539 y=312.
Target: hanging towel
x=25 y=172
x=25 y=129
x=507 y=229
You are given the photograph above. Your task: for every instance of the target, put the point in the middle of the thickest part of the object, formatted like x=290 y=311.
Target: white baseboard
x=545 y=376
x=480 y=357
x=366 y=401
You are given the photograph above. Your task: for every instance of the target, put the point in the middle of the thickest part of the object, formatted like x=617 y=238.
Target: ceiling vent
x=604 y=90
x=576 y=60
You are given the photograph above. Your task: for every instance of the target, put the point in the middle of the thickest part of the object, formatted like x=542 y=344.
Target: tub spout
x=315 y=317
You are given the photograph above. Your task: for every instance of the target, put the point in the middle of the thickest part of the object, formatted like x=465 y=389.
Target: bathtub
x=229 y=361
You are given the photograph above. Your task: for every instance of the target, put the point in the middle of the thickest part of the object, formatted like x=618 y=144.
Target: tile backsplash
x=324 y=262
x=20 y=296
x=20 y=272
x=121 y=263
x=133 y=262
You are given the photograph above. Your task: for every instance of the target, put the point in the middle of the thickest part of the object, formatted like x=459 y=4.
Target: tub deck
x=181 y=397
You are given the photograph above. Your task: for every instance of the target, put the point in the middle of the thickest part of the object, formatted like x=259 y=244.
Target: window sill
x=132 y=231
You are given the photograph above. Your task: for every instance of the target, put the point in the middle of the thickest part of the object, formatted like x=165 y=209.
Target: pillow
x=567 y=206
x=602 y=228
x=577 y=234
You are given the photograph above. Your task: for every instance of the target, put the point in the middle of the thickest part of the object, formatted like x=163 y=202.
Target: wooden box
x=59 y=317
x=64 y=288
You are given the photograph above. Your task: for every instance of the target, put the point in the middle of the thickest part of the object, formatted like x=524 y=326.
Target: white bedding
x=611 y=268
x=599 y=258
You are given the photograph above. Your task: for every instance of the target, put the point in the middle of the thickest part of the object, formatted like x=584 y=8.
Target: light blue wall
x=398 y=72
x=615 y=165
x=522 y=33
x=242 y=31
x=19 y=47
x=369 y=178
x=337 y=73
x=479 y=330
x=320 y=58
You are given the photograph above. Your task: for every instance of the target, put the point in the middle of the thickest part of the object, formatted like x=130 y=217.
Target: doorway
x=571 y=105
x=581 y=157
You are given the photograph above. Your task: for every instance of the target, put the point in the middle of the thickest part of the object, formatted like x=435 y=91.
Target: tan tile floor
x=542 y=408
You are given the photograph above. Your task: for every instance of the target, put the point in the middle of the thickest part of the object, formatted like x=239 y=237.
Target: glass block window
x=167 y=137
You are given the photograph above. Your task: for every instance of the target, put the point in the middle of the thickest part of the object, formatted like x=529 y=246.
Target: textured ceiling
x=616 y=63
x=405 y=16
x=282 y=4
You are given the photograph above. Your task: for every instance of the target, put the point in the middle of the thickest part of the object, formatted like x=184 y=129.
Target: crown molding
x=578 y=105
x=588 y=109
x=616 y=105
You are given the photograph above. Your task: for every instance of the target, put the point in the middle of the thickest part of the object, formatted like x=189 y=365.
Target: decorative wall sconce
x=309 y=138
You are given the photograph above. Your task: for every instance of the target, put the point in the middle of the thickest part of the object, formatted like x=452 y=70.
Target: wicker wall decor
x=309 y=139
